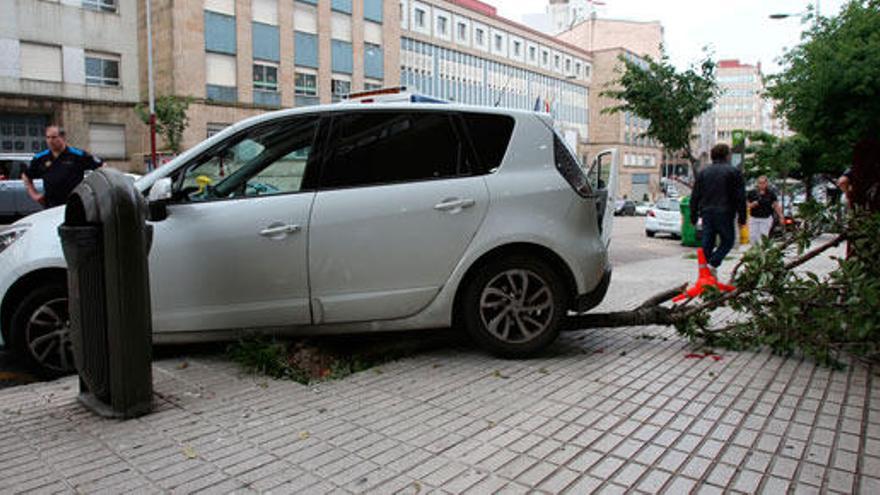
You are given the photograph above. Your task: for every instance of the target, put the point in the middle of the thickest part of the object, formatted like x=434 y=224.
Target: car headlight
x=12 y=234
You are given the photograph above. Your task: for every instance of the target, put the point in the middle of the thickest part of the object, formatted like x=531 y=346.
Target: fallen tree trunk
x=651 y=312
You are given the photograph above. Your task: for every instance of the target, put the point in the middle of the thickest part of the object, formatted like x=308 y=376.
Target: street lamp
x=151 y=86
x=779 y=16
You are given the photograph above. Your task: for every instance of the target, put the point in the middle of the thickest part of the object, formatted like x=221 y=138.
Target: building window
x=499 y=42
x=517 y=48
x=420 y=18
x=340 y=88
x=341 y=6
x=373 y=10
x=100 y=5
x=266 y=77
x=374 y=61
x=305 y=84
x=219 y=33
x=533 y=54
x=220 y=76
x=442 y=26
x=556 y=61
x=545 y=58
x=40 y=62
x=305 y=49
x=107 y=140
x=568 y=66
x=102 y=70
x=266 y=42
x=369 y=85
x=341 y=56
x=214 y=128
x=480 y=36
x=462 y=31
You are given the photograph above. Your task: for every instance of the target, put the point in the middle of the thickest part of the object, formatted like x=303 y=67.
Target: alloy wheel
x=48 y=336
x=516 y=306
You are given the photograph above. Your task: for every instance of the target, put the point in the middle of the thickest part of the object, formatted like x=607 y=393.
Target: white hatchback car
x=664 y=217
x=348 y=218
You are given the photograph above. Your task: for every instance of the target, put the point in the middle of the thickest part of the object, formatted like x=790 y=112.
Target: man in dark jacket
x=719 y=196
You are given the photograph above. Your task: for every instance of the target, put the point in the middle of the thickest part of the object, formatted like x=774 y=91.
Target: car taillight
x=651 y=213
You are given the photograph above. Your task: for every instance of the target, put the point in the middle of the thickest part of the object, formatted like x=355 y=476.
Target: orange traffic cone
x=704 y=279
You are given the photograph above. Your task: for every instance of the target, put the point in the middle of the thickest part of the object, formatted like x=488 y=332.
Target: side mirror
x=158 y=199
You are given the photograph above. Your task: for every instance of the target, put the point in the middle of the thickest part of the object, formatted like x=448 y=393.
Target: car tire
x=40 y=331
x=650 y=233
x=506 y=286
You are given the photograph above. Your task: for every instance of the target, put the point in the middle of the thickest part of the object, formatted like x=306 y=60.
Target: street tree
x=171 y=119
x=670 y=100
x=829 y=89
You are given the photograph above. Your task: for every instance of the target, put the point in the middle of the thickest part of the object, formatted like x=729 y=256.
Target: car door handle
x=279 y=230
x=454 y=204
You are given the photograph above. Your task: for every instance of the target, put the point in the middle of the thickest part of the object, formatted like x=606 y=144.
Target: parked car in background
x=665 y=218
x=642 y=208
x=625 y=207
x=252 y=232
x=14 y=200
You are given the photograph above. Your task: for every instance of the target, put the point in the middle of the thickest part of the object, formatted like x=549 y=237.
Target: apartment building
x=72 y=63
x=641 y=157
x=741 y=104
x=239 y=58
x=462 y=50
x=593 y=34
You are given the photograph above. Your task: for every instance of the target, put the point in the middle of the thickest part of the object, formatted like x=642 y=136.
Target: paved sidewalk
x=603 y=410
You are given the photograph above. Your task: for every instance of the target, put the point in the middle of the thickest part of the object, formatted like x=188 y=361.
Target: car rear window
x=667 y=205
x=490 y=135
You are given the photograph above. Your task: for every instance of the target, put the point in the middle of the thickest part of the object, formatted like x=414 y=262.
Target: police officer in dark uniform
x=61 y=167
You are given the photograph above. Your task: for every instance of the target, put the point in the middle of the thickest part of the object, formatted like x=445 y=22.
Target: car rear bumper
x=590 y=300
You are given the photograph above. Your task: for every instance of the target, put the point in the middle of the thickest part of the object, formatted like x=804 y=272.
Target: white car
x=665 y=218
x=642 y=208
x=348 y=218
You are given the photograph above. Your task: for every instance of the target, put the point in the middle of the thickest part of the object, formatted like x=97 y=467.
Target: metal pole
x=150 y=85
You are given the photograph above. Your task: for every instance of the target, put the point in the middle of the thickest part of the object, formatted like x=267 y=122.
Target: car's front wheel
x=40 y=332
x=513 y=307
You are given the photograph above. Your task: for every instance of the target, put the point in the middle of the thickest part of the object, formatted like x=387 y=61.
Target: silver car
x=349 y=218
x=14 y=200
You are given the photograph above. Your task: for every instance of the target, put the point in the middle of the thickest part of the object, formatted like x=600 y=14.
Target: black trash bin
x=106 y=241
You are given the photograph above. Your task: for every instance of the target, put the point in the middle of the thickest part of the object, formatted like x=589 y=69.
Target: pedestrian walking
x=763 y=208
x=61 y=167
x=719 y=199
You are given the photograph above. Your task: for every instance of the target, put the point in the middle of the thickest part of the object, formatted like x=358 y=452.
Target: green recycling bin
x=688 y=230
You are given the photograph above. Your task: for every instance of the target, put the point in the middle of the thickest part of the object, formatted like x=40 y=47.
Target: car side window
x=371 y=148
x=265 y=160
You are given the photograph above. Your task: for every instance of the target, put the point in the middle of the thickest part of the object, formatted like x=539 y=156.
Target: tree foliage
x=829 y=90
x=823 y=316
x=669 y=99
x=171 y=118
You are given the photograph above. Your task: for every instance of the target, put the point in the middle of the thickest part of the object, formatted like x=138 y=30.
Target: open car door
x=603 y=177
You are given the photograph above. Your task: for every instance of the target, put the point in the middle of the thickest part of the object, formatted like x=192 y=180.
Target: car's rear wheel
x=513 y=307
x=40 y=333
x=650 y=233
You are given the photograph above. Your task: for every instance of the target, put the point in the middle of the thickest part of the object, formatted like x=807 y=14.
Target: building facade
x=72 y=63
x=461 y=50
x=639 y=38
x=641 y=157
x=740 y=105
x=239 y=58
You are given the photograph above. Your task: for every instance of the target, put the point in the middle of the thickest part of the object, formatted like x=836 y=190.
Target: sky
x=738 y=29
